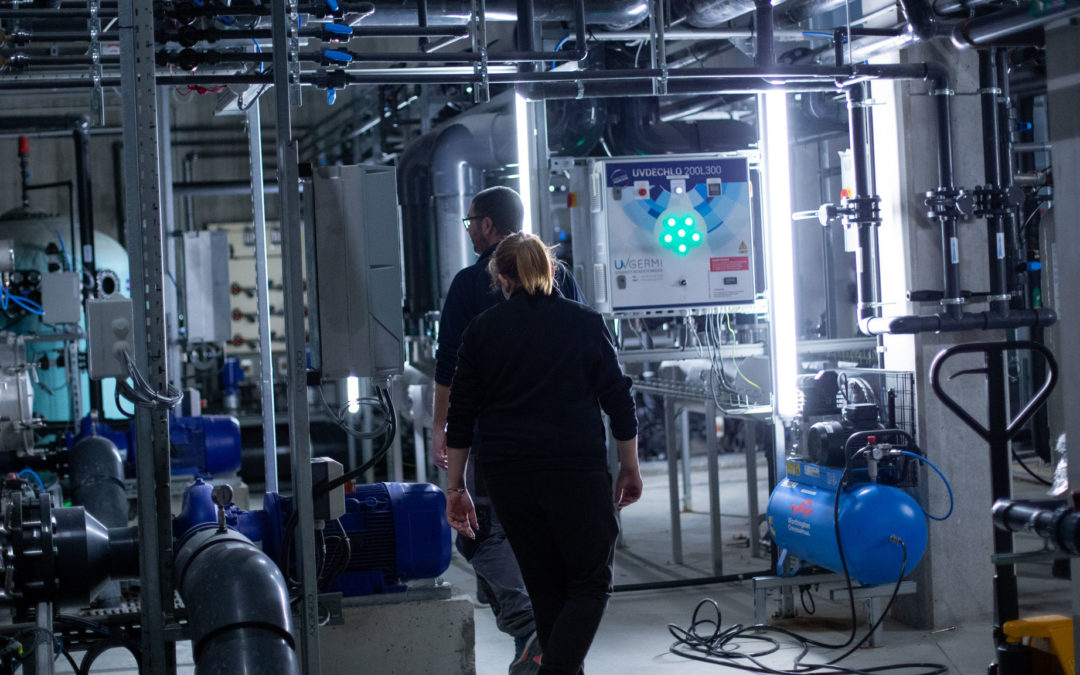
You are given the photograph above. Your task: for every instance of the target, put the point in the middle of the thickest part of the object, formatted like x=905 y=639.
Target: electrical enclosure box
x=670 y=235
x=109 y=327
x=61 y=297
x=208 y=315
x=355 y=242
x=329 y=505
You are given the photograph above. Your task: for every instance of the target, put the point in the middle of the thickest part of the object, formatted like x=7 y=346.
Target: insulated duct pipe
x=237 y=606
x=984 y=30
x=462 y=152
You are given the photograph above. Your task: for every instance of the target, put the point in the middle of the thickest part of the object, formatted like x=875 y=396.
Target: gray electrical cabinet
x=355 y=240
x=206 y=286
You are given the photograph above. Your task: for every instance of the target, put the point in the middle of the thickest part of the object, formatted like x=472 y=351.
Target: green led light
x=696 y=237
x=667 y=238
x=682 y=233
x=689 y=220
x=682 y=248
x=671 y=222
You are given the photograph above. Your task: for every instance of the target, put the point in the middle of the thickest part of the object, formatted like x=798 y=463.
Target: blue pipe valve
x=335 y=32
x=333 y=5
x=332 y=57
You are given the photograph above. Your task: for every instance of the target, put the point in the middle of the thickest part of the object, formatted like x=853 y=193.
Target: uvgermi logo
x=638 y=264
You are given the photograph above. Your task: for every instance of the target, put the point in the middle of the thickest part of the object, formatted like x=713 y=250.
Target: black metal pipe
x=422 y=22
x=1054 y=521
x=920 y=17
x=97 y=476
x=793 y=74
x=942 y=93
x=944 y=323
x=989 y=91
x=215 y=188
x=525 y=32
x=763 y=29
x=959 y=6
x=1011 y=222
x=865 y=202
x=598 y=89
x=237 y=605
x=684 y=583
x=989 y=29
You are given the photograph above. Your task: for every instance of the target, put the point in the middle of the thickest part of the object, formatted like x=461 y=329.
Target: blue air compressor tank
x=801 y=521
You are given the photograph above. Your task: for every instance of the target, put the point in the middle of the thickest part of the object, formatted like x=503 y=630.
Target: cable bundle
x=141 y=393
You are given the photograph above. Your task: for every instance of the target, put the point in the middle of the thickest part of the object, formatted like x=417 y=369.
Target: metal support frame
x=81 y=138
x=478 y=33
x=145 y=244
x=870 y=595
x=175 y=302
x=283 y=18
x=708 y=406
x=658 y=46
x=262 y=299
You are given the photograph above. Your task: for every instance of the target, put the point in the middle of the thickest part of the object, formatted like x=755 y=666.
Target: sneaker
x=528 y=663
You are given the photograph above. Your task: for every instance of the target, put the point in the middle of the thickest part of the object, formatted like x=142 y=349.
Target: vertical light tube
x=524 y=141
x=780 y=254
x=352 y=393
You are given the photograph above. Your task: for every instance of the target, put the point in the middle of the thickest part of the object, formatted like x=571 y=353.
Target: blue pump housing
x=397 y=532
x=801 y=522
x=206 y=445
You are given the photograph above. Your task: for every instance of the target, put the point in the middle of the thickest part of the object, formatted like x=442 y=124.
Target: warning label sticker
x=730 y=264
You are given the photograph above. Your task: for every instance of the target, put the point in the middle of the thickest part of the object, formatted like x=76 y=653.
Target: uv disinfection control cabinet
x=671 y=234
x=355 y=240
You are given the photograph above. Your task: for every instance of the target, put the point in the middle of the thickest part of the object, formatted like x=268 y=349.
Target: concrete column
x=955 y=577
x=1063 y=96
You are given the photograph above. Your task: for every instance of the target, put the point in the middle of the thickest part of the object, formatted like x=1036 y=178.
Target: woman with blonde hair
x=533 y=375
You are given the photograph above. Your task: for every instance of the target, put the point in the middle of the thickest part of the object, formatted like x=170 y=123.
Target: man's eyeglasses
x=467 y=220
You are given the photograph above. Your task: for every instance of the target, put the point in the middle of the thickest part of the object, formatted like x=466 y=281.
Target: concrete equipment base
x=416 y=635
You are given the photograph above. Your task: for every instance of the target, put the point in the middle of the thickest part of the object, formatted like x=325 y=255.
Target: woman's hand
x=461 y=514
x=627 y=486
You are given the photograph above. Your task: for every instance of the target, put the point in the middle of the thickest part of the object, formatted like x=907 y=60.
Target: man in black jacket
x=494 y=214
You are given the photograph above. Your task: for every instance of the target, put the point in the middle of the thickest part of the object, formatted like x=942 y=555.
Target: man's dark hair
x=503 y=206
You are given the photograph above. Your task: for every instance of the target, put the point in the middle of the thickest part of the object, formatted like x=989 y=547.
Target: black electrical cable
x=70 y=659
x=1025 y=467
x=103 y=646
x=804 y=594
x=712 y=649
x=324 y=487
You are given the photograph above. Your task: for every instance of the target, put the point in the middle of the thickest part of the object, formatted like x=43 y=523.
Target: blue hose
x=30 y=472
x=943 y=478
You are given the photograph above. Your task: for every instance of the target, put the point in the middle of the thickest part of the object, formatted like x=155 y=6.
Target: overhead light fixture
x=780 y=251
x=524 y=143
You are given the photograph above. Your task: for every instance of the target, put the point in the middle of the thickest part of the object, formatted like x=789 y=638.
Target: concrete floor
x=634 y=637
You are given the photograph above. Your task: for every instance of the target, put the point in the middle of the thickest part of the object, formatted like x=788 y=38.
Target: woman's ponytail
x=525 y=261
